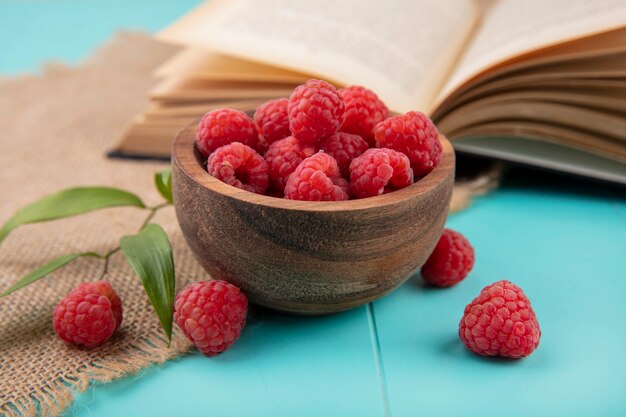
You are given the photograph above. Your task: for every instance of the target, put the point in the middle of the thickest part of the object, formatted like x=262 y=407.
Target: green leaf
x=69 y=202
x=44 y=270
x=163 y=182
x=150 y=255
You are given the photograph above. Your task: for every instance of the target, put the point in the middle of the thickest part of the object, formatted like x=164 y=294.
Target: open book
x=534 y=81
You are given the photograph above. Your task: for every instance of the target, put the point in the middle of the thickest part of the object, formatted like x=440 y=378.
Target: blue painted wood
x=566 y=247
x=281 y=366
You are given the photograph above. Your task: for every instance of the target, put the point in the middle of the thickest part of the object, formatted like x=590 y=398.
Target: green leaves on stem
x=46 y=269
x=149 y=252
x=68 y=203
x=150 y=255
x=163 y=182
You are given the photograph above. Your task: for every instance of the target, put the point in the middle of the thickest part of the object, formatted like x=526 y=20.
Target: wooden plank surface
x=281 y=366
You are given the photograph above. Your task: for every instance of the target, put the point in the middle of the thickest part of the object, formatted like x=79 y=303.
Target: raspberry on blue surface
x=500 y=322
x=451 y=260
x=211 y=314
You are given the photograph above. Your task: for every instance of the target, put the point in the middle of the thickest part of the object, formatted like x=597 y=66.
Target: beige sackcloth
x=55 y=130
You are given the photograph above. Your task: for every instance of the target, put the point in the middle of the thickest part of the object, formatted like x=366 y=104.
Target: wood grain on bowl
x=308 y=257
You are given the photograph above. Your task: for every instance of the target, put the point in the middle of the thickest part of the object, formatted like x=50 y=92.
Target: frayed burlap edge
x=465 y=190
x=57 y=397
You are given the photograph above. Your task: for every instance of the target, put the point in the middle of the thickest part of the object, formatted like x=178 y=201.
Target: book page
x=402 y=49
x=512 y=28
x=592 y=143
x=540 y=111
x=609 y=100
x=200 y=63
x=544 y=154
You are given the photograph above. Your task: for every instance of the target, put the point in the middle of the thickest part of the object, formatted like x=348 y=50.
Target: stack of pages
x=534 y=81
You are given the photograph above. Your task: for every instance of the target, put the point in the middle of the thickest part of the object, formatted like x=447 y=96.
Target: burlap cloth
x=54 y=132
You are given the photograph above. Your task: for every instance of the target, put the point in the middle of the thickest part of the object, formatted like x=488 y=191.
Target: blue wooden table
x=563 y=242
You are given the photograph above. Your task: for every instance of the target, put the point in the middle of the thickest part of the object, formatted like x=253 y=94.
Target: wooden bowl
x=308 y=257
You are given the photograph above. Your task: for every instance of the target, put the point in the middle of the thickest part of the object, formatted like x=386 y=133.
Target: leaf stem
x=107 y=256
x=153 y=211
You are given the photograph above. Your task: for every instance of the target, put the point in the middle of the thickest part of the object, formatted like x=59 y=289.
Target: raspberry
x=378 y=171
x=316 y=110
x=317 y=178
x=272 y=120
x=413 y=134
x=211 y=314
x=88 y=315
x=344 y=147
x=261 y=146
x=221 y=127
x=500 y=322
x=240 y=166
x=450 y=262
x=283 y=157
x=363 y=111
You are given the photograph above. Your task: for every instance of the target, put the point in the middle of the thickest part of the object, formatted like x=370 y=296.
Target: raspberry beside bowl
x=308 y=257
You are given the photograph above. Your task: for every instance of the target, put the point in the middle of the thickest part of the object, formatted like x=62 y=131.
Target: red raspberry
x=88 y=315
x=283 y=157
x=344 y=147
x=317 y=178
x=413 y=134
x=316 y=110
x=272 y=120
x=363 y=111
x=211 y=314
x=451 y=260
x=261 y=146
x=240 y=166
x=221 y=127
x=500 y=321
x=378 y=171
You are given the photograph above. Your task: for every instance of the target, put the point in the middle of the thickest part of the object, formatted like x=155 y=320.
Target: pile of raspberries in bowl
x=320 y=144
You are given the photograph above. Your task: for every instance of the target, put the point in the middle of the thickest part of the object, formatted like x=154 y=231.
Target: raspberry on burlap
x=88 y=315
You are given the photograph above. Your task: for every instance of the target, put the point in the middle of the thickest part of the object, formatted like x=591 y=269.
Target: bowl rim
x=184 y=156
